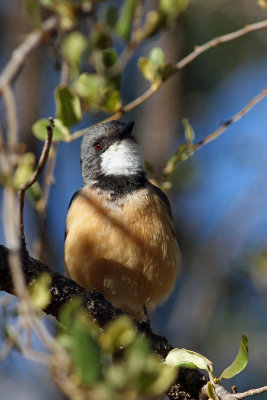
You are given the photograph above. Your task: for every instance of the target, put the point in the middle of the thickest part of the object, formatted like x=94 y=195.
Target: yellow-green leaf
x=33 y=10
x=156 y=56
x=167 y=375
x=172 y=8
x=90 y=87
x=189 y=359
x=112 y=16
x=211 y=391
x=39 y=291
x=240 y=361
x=73 y=47
x=80 y=341
x=60 y=132
x=119 y=333
x=188 y=131
x=124 y=23
x=151 y=26
x=112 y=101
x=68 y=106
x=34 y=192
x=24 y=170
x=146 y=67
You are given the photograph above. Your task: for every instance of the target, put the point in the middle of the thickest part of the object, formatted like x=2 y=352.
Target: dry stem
x=180 y=65
x=21 y=53
x=219 y=40
x=235 y=118
x=33 y=179
x=250 y=392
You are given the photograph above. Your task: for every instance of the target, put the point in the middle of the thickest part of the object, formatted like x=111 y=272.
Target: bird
x=119 y=235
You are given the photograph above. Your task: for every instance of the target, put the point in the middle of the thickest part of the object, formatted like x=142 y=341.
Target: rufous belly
x=125 y=250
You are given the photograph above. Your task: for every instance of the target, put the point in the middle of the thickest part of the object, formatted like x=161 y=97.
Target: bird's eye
x=98 y=146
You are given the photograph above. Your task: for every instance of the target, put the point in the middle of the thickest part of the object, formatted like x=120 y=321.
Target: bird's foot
x=146 y=321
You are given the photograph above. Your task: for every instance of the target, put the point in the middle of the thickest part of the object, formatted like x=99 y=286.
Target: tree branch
x=180 y=65
x=219 y=40
x=192 y=148
x=235 y=118
x=64 y=289
x=34 y=177
x=191 y=383
x=20 y=54
x=250 y=392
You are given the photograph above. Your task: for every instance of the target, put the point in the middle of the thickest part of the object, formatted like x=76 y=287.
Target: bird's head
x=110 y=150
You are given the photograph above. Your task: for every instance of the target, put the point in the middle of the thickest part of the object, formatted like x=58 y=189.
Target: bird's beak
x=127 y=130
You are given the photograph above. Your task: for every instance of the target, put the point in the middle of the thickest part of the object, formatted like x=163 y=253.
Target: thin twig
x=250 y=392
x=180 y=65
x=192 y=148
x=21 y=53
x=48 y=179
x=219 y=40
x=12 y=122
x=41 y=204
x=235 y=118
x=33 y=179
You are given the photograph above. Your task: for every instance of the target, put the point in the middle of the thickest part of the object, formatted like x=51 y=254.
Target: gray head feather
x=118 y=155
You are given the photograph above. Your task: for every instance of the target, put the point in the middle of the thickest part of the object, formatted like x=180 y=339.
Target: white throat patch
x=122 y=158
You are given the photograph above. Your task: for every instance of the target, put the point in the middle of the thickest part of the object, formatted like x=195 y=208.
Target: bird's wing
x=166 y=203
x=71 y=200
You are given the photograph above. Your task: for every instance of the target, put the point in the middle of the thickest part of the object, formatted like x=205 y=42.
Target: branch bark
x=191 y=383
x=64 y=289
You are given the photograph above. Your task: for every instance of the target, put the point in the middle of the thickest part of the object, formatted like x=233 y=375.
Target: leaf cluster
x=114 y=364
x=90 y=53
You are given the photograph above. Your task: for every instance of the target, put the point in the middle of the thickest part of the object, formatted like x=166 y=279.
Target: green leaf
x=47 y=3
x=124 y=24
x=90 y=87
x=188 y=131
x=112 y=16
x=116 y=377
x=182 y=154
x=68 y=106
x=24 y=170
x=60 y=132
x=33 y=10
x=145 y=371
x=146 y=67
x=112 y=101
x=211 y=391
x=80 y=340
x=151 y=26
x=108 y=57
x=155 y=69
x=172 y=9
x=240 y=361
x=23 y=173
x=73 y=47
x=118 y=334
x=137 y=356
x=165 y=378
x=157 y=57
x=35 y=192
x=188 y=359
x=39 y=291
